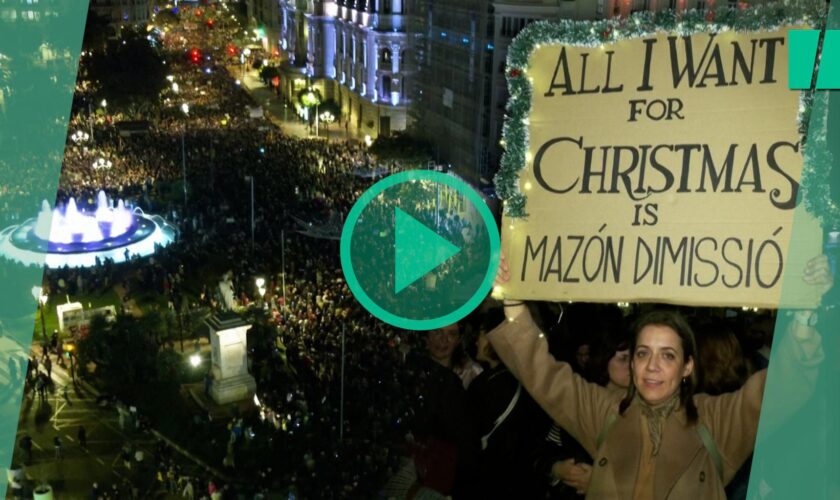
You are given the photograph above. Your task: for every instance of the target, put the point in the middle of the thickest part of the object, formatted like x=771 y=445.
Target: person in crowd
x=723 y=369
x=444 y=446
x=563 y=460
x=446 y=348
x=690 y=445
x=509 y=425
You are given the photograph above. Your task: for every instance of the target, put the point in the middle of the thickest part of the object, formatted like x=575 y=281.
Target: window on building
x=385 y=56
x=364 y=52
x=386 y=6
x=672 y=4
x=701 y=4
x=386 y=87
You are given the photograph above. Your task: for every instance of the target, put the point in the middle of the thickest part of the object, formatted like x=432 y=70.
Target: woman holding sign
x=659 y=440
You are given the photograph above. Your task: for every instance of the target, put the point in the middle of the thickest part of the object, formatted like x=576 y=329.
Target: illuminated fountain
x=76 y=237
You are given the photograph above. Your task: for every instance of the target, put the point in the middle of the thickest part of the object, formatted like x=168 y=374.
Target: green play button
x=420 y=249
x=409 y=264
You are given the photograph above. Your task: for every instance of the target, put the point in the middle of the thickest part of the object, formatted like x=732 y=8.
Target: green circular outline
x=356 y=287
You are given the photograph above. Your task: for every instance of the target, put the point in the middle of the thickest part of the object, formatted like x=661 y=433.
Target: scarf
x=656 y=416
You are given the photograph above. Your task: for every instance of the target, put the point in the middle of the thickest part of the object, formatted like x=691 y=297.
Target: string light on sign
x=766 y=17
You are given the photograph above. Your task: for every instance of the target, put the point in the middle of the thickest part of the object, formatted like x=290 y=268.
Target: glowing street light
x=195 y=360
x=175 y=87
x=185 y=108
x=102 y=163
x=327 y=117
x=79 y=136
x=104 y=103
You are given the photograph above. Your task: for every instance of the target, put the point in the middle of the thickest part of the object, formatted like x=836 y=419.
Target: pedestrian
x=126 y=455
x=189 y=490
x=82 y=436
x=208 y=382
x=57 y=445
x=48 y=366
x=41 y=387
x=95 y=494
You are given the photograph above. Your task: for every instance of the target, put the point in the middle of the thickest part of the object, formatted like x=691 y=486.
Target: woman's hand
x=572 y=474
x=818 y=273
x=513 y=308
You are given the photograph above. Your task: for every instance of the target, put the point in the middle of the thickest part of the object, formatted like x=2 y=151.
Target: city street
x=67 y=408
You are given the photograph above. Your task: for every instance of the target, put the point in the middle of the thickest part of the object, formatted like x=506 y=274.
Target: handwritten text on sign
x=662 y=169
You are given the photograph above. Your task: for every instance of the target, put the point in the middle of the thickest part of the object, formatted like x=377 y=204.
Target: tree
x=123 y=351
x=402 y=147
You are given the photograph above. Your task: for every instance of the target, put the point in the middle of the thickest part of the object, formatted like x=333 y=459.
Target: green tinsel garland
x=767 y=17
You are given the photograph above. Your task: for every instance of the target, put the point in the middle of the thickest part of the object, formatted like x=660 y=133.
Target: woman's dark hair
x=679 y=325
x=719 y=352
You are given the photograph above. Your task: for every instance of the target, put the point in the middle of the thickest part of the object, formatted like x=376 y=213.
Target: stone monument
x=231 y=380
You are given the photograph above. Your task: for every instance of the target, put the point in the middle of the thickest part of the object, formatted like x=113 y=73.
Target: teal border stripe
x=797 y=453
x=40 y=44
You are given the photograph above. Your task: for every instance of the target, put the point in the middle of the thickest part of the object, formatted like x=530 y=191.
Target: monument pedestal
x=231 y=380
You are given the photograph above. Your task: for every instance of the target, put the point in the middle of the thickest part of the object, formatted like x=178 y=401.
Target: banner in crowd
x=664 y=168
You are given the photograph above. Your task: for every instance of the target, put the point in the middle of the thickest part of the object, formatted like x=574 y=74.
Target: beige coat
x=684 y=468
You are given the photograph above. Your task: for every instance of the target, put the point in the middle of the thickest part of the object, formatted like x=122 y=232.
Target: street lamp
x=79 y=136
x=185 y=108
x=70 y=351
x=37 y=293
x=102 y=163
x=195 y=360
x=104 y=103
x=327 y=118
x=310 y=99
x=245 y=53
x=261 y=290
x=250 y=178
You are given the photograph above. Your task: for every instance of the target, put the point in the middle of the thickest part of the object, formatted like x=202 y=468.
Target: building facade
x=351 y=52
x=461 y=49
x=121 y=13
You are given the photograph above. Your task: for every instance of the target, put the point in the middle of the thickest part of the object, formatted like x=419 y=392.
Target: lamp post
x=70 y=350
x=242 y=58
x=250 y=178
x=102 y=163
x=260 y=282
x=37 y=293
x=79 y=136
x=185 y=108
x=327 y=118
x=310 y=99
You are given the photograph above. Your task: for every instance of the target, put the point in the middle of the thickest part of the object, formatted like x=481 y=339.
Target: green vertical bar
x=797 y=453
x=829 y=71
x=802 y=54
x=39 y=53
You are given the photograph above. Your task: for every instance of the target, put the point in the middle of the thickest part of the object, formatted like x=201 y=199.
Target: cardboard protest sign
x=664 y=168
